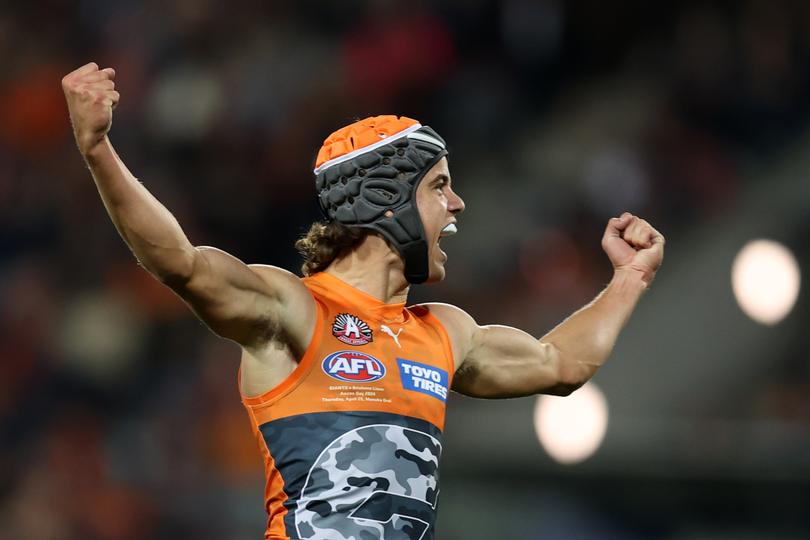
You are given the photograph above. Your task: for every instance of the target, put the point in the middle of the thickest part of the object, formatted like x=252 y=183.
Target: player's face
x=438 y=205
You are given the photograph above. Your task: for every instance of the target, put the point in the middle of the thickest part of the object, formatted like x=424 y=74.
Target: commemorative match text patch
x=423 y=378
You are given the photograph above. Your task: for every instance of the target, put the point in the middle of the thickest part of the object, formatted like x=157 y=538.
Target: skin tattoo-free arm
x=236 y=301
x=499 y=361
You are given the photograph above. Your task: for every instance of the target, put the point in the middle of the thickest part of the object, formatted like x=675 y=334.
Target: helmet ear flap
x=384 y=192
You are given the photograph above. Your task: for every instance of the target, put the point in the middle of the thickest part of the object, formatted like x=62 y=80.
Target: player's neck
x=374 y=268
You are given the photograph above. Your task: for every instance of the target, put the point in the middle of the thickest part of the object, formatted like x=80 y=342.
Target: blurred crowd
x=119 y=413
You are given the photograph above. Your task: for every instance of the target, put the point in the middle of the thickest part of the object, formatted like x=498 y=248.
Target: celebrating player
x=345 y=385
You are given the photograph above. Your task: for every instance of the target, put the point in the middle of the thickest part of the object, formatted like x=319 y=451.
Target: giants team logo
x=353 y=366
x=352 y=330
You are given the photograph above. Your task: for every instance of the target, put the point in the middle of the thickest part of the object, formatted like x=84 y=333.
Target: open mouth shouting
x=448 y=230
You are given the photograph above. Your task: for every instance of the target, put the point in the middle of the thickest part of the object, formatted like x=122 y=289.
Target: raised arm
x=238 y=302
x=499 y=361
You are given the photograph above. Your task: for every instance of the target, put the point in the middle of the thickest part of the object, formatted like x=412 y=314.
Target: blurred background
x=119 y=412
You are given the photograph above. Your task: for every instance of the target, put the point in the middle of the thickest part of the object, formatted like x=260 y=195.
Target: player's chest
x=365 y=360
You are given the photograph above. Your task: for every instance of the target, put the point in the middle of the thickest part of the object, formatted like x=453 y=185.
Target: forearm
x=148 y=228
x=584 y=341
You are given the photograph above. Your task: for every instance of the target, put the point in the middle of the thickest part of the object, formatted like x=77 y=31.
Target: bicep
x=236 y=301
x=507 y=362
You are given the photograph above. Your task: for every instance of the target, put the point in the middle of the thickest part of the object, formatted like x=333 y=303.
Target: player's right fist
x=91 y=98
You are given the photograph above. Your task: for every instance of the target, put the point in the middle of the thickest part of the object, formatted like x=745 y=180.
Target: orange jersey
x=352 y=438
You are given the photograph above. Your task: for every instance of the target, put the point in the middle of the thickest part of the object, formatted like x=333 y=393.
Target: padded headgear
x=375 y=165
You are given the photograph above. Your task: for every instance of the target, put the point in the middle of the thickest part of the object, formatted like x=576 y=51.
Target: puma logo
x=385 y=330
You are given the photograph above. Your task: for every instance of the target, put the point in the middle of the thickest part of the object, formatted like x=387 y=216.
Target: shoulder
x=274 y=273
x=459 y=325
x=281 y=280
x=297 y=308
x=447 y=314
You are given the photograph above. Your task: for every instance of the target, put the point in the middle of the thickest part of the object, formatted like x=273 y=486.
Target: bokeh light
x=765 y=278
x=572 y=428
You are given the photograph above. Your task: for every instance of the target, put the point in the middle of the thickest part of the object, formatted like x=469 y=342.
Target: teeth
x=448 y=230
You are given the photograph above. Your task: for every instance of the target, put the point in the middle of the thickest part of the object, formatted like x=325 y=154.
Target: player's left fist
x=633 y=244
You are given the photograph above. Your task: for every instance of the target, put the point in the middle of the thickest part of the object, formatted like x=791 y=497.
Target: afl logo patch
x=352 y=330
x=353 y=366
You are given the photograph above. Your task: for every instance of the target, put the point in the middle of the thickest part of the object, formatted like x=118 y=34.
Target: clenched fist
x=91 y=98
x=633 y=244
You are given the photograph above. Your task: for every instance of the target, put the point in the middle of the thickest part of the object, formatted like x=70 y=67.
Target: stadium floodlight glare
x=765 y=278
x=572 y=428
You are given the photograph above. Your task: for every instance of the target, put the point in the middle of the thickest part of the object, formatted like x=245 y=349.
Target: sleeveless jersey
x=351 y=439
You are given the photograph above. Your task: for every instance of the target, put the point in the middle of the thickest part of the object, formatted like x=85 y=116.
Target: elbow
x=570 y=377
x=572 y=371
x=566 y=376
x=173 y=280
x=563 y=389
x=176 y=271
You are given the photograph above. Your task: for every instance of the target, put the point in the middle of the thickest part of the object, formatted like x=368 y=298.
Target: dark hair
x=325 y=242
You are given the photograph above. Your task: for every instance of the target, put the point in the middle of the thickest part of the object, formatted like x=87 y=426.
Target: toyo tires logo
x=353 y=366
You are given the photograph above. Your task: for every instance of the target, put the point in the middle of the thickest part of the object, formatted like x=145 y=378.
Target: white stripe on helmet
x=354 y=153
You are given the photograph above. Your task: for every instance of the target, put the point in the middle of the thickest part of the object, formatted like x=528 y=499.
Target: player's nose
x=455 y=204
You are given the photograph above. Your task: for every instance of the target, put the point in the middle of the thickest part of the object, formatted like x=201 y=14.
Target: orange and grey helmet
x=366 y=175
